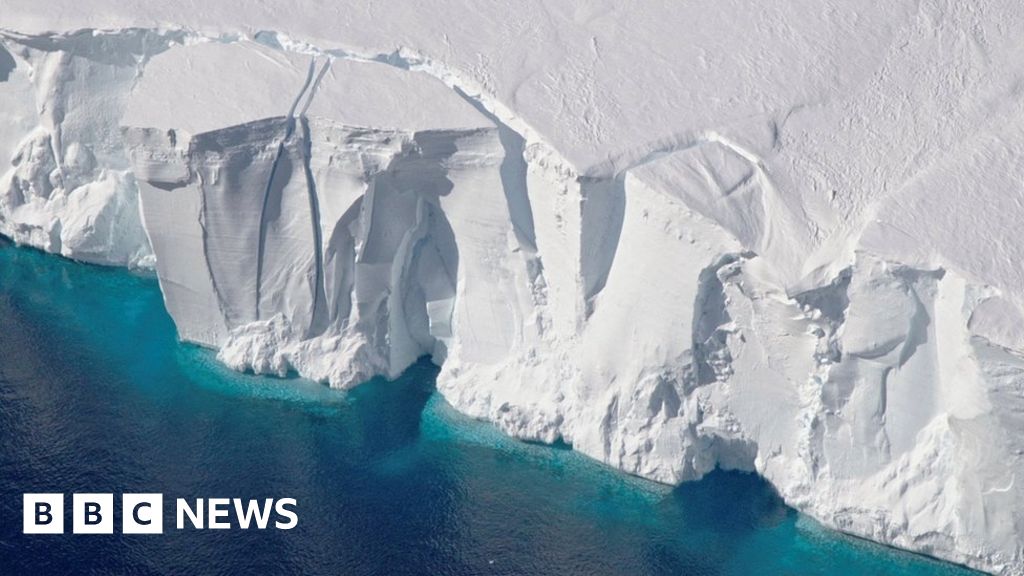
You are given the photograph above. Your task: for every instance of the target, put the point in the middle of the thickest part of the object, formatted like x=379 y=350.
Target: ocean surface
x=97 y=395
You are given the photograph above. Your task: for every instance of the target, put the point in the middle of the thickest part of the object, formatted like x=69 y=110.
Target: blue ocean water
x=97 y=395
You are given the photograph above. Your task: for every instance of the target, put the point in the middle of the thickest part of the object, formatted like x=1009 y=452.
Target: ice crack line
x=289 y=129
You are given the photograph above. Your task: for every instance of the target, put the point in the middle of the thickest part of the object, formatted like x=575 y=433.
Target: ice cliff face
x=787 y=294
x=69 y=188
x=335 y=238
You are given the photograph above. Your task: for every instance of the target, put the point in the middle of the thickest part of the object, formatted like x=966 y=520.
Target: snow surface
x=675 y=236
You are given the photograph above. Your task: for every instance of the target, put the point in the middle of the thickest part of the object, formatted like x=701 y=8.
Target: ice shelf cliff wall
x=666 y=311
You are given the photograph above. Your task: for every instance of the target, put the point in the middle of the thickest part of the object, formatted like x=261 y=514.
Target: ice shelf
x=675 y=238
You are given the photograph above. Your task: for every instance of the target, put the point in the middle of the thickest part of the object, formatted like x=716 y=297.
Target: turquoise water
x=97 y=395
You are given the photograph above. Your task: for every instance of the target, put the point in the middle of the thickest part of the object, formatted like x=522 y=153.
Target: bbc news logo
x=144 y=513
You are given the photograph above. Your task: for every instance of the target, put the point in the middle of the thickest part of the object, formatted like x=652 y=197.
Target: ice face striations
x=342 y=229
x=767 y=294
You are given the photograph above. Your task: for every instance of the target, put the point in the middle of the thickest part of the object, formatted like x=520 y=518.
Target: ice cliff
x=785 y=243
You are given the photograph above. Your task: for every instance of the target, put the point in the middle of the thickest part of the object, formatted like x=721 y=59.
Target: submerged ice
x=712 y=300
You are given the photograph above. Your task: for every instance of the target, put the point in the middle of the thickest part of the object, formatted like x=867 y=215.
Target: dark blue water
x=96 y=395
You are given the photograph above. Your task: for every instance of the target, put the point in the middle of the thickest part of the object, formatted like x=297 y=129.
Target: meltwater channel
x=97 y=395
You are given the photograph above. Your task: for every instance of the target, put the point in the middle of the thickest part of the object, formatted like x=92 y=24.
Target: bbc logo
x=93 y=513
x=144 y=513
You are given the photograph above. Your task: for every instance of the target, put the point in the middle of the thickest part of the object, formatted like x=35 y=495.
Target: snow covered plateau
x=782 y=237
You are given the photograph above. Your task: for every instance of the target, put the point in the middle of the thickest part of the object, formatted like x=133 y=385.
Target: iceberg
x=783 y=244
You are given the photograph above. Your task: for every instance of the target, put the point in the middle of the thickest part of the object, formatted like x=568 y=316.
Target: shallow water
x=97 y=395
